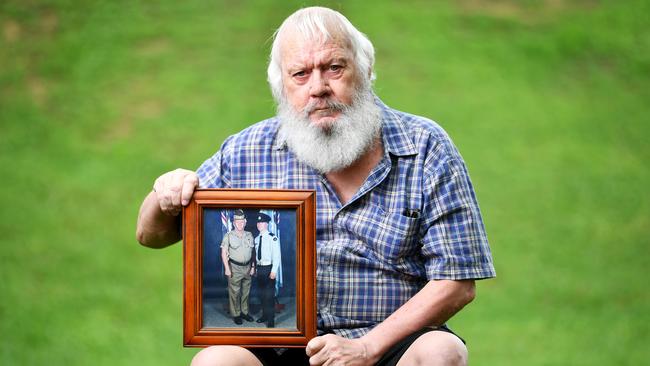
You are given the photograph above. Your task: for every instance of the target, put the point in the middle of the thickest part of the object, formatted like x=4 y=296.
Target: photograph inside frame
x=249 y=268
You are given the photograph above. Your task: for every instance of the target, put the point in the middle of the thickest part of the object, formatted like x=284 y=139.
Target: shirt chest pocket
x=249 y=243
x=389 y=235
x=235 y=242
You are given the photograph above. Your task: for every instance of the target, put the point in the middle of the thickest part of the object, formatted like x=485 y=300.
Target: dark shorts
x=297 y=356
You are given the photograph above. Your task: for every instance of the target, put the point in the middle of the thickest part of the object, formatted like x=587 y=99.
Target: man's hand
x=227 y=272
x=272 y=275
x=333 y=350
x=174 y=190
x=158 y=224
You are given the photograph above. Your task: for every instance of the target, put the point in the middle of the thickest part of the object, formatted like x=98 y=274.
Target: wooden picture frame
x=207 y=220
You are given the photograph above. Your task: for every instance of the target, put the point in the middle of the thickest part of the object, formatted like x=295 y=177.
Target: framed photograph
x=249 y=263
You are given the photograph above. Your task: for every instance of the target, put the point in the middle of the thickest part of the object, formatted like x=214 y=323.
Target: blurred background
x=547 y=100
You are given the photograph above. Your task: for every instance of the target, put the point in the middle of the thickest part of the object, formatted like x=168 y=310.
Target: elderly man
x=400 y=239
x=237 y=256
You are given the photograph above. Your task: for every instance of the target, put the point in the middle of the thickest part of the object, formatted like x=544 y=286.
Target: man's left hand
x=272 y=275
x=334 y=350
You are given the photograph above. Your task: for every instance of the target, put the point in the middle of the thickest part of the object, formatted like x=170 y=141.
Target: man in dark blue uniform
x=267 y=251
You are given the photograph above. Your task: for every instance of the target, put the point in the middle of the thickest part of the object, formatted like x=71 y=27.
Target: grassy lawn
x=547 y=100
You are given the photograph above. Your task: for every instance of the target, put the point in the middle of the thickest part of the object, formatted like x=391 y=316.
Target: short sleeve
x=454 y=243
x=215 y=172
x=224 y=241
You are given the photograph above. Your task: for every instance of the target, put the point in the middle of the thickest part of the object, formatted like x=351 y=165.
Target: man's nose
x=319 y=86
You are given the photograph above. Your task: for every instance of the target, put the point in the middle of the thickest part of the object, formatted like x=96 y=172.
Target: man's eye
x=335 y=67
x=299 y=74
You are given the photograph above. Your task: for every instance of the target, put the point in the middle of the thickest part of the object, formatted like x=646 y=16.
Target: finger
x=189 y=184
x=164 y=199
x=167 y=202
x=321 y=358
x=315 y=345
x=159 y=189
x=162 y=192
x=168 y=191
x=157 y=186
x=175 y=188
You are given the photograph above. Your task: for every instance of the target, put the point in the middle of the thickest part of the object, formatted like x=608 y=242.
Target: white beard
x=342 y=142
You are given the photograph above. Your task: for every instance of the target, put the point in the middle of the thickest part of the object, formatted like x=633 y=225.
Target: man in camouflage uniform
x=237 y=255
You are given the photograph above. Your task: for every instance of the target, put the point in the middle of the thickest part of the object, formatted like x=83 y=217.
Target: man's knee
x=225 y=356
x=436 y=348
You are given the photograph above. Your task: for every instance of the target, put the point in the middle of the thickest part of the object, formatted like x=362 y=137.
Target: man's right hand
x=158 y=223
x=174 y=190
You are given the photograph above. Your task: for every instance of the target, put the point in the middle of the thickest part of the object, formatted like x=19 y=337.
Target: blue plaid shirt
x=414 y=219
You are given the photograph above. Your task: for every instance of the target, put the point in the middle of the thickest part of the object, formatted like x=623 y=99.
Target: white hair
x=323 y=25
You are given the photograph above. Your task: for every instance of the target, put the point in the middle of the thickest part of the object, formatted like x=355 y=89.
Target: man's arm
x=436 y=303
x=224 y=256
x=158 y=221
x=253 y=258
x=276 y=257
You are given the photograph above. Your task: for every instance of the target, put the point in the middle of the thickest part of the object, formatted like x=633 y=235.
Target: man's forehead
x=299 y=50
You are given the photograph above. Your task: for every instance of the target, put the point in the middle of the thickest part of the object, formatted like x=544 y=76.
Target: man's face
x=314 y=73
x=262 y=226
x=240 y=224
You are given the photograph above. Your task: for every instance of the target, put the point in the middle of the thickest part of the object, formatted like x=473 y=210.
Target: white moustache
x=324 y=104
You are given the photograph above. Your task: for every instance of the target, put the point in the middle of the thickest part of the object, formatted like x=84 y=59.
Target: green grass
x=547 y=101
